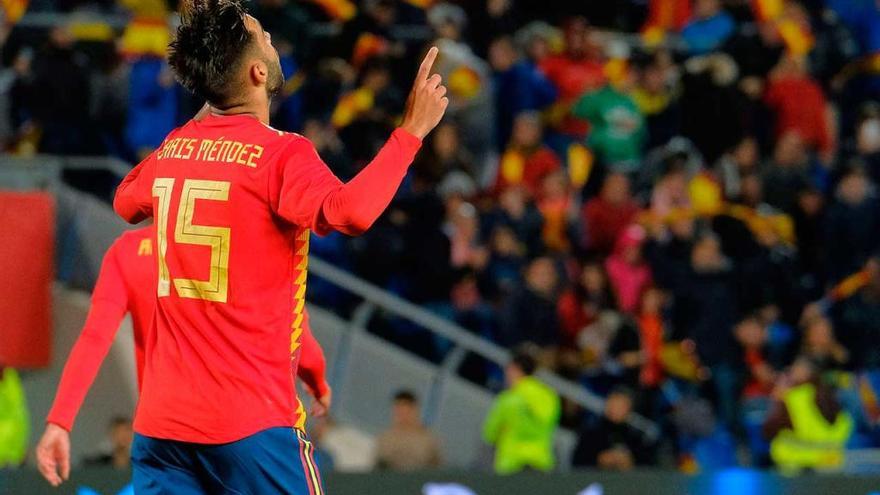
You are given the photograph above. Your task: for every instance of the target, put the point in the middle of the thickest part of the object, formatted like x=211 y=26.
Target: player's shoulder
x=133 y=242
x=275 y=139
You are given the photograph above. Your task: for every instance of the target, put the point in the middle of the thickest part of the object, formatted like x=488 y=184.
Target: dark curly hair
x=210 y=45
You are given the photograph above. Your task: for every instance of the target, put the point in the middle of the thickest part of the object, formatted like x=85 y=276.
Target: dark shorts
x=277 y=460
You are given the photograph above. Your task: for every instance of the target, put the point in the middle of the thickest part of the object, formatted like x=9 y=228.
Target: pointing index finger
x=427 y=63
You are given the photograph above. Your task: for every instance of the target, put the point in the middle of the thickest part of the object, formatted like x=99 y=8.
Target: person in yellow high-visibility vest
x=14 y=419
x=807 y=427
x=523 y=420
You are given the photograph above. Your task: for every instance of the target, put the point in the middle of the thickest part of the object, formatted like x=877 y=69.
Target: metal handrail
x=462 y=338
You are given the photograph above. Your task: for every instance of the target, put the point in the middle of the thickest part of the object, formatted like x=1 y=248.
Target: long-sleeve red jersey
x=128 y=273
x=234 y=201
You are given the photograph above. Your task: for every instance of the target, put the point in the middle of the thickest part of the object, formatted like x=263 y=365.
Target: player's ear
x=259 y=73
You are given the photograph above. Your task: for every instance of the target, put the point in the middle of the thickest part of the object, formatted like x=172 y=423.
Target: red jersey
x=127 y=269
x=233 y=202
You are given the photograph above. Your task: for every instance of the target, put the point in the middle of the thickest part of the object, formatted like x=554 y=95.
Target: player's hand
x=53 y=454
x=427 y=101
x=321 y=405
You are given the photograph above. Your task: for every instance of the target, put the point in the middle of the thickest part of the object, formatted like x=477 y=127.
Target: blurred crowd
x=673 y=201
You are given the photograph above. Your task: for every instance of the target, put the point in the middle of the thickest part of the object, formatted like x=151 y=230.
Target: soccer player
x=234 y=201
x=128 y=272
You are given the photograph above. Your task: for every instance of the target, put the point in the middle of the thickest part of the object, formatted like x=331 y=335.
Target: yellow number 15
x=185 y=232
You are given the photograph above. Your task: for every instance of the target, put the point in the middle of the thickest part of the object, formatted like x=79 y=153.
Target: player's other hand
x=427 y=101
x=321 y=405
x=53 y=454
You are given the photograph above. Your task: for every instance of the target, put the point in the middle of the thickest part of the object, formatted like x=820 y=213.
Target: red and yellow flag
x=350 y=106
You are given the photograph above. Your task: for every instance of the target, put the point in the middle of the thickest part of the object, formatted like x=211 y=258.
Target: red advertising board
x=27 y=244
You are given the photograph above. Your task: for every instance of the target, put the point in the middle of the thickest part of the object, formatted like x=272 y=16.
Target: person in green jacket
x=523 y=420
x=14 y=420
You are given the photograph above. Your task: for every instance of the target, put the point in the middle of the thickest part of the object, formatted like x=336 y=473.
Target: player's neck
x=255 y=107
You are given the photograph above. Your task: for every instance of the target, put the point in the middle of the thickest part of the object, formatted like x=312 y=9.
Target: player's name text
x=211 y=150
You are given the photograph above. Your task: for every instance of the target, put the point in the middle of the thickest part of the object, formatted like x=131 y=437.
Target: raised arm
x=354 y=207
x=305 y=192
x=109 y=305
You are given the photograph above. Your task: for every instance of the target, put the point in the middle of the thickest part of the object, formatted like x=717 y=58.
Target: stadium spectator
x=469 y=80
x=118 y=453
x=503 y=272
x=604 y=217
x=152 y=105
x=627 y=269
x=60 y=96
x=653 y=334
x=799 y=105
x=523 y=420
x=733 y=166
x=369 y=33
x=608 y=442
x=519 y=86
x=529 y=314
x=751 y=334
x=581 y=304
x=526 y=160
x=705 y=311
x=407 y=445
x=788 y=173
x=617 y=127
x=515 y=210
x=574 y=72
x=852 y=225
x=347 y=449
x=821 y=347
x=807 y=428
x=709 y=27
x=555 y=202
x=655 y=95
x=857 y=319
x=442 y=155
x=14 y=419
